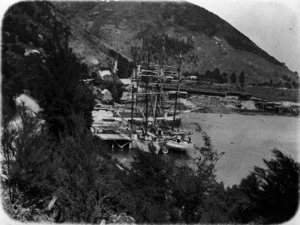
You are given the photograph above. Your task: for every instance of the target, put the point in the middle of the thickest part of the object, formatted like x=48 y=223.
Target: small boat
x=180 y=145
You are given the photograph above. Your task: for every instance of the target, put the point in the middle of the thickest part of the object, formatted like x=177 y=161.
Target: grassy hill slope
x=214 y=43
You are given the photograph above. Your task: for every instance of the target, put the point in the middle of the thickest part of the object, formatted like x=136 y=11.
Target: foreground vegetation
x=73 y=179
x=55 y=170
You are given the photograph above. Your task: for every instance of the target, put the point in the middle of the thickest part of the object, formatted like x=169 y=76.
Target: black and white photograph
x=150 y=112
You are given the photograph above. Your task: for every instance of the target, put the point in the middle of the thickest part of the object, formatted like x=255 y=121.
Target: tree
x=51 y=72
x=233 y=78
x=272 y=193
x=295 y=85
x=167 y=193
x=287 y=85
x=72 y=173
x=242 y=78
x=216 y=72
x=60 y=94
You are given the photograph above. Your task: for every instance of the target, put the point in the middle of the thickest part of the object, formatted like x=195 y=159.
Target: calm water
x=245 y=139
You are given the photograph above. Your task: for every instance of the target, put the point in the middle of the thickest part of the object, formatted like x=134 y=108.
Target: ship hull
x=182 y=146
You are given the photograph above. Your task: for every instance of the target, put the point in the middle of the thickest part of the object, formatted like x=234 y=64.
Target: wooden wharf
x=120 y=140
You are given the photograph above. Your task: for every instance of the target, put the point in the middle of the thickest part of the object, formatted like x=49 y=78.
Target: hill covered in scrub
x=36 y=57
x=205 y=40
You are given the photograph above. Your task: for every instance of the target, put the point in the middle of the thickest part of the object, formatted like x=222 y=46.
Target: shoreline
x=245 y=112
x=226 y=105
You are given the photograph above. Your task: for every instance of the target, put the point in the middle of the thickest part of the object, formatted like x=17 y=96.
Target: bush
x=295 y=85
x=242 y=78
x=233 y=78
x=162 y=47
x=26 y=154
x=70 y=180
x=214 y=76
x=166 y=193
x=288 y=85
x=51 y=75
x=271 y=193
x=72 y=173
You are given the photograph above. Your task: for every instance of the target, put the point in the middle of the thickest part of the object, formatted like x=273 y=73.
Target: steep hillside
x=205 y=40
x=36 y=57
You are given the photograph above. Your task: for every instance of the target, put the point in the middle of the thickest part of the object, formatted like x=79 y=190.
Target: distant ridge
x=205 y=40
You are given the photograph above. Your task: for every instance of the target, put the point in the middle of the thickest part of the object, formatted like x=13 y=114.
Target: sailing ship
x=149 y=103
x=150 y=83
x=148 y=114
x=149 y=100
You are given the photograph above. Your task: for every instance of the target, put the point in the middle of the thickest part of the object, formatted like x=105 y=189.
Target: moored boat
x=181 y=145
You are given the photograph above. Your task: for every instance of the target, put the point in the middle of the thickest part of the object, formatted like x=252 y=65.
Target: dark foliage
x=36 y=57
x=161 y=49
x=60 y=94
x=165 y=192
x=215 y=76
x=148 y=181
x=87 y=187
x=242 y=78
x=26 y=155
x=73 y=172
x=125 y=67
x=295 y=84
x=233 y=78
x=171 y=45
x=113 y=84
x=271 y=193
x=288 y=85
x=264 y=84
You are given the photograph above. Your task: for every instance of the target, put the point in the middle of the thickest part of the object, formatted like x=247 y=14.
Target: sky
x=274 y=25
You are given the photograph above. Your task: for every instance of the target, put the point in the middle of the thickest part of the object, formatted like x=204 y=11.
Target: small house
x=127 y=83
x=104 y=73
x=106 y=95
x=192 y=77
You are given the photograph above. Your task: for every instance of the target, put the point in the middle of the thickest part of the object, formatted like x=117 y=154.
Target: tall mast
x=159 y=79
x=132 y=97
x=179 y=77
x=133 y=78
x=147 y=80
x=157 y=87
x=115 y=70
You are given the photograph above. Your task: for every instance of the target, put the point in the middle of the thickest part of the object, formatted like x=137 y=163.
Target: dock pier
x=117 y=139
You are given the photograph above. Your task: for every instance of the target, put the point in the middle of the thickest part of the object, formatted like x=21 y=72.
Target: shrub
x=233 y=78
x=214 y=76
x=168 y=193
x=288 y=85
x=271 y=193
x=26 y=154
x=51 y=74
x=72 y=173
x=242 y=78
x=295 y=85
